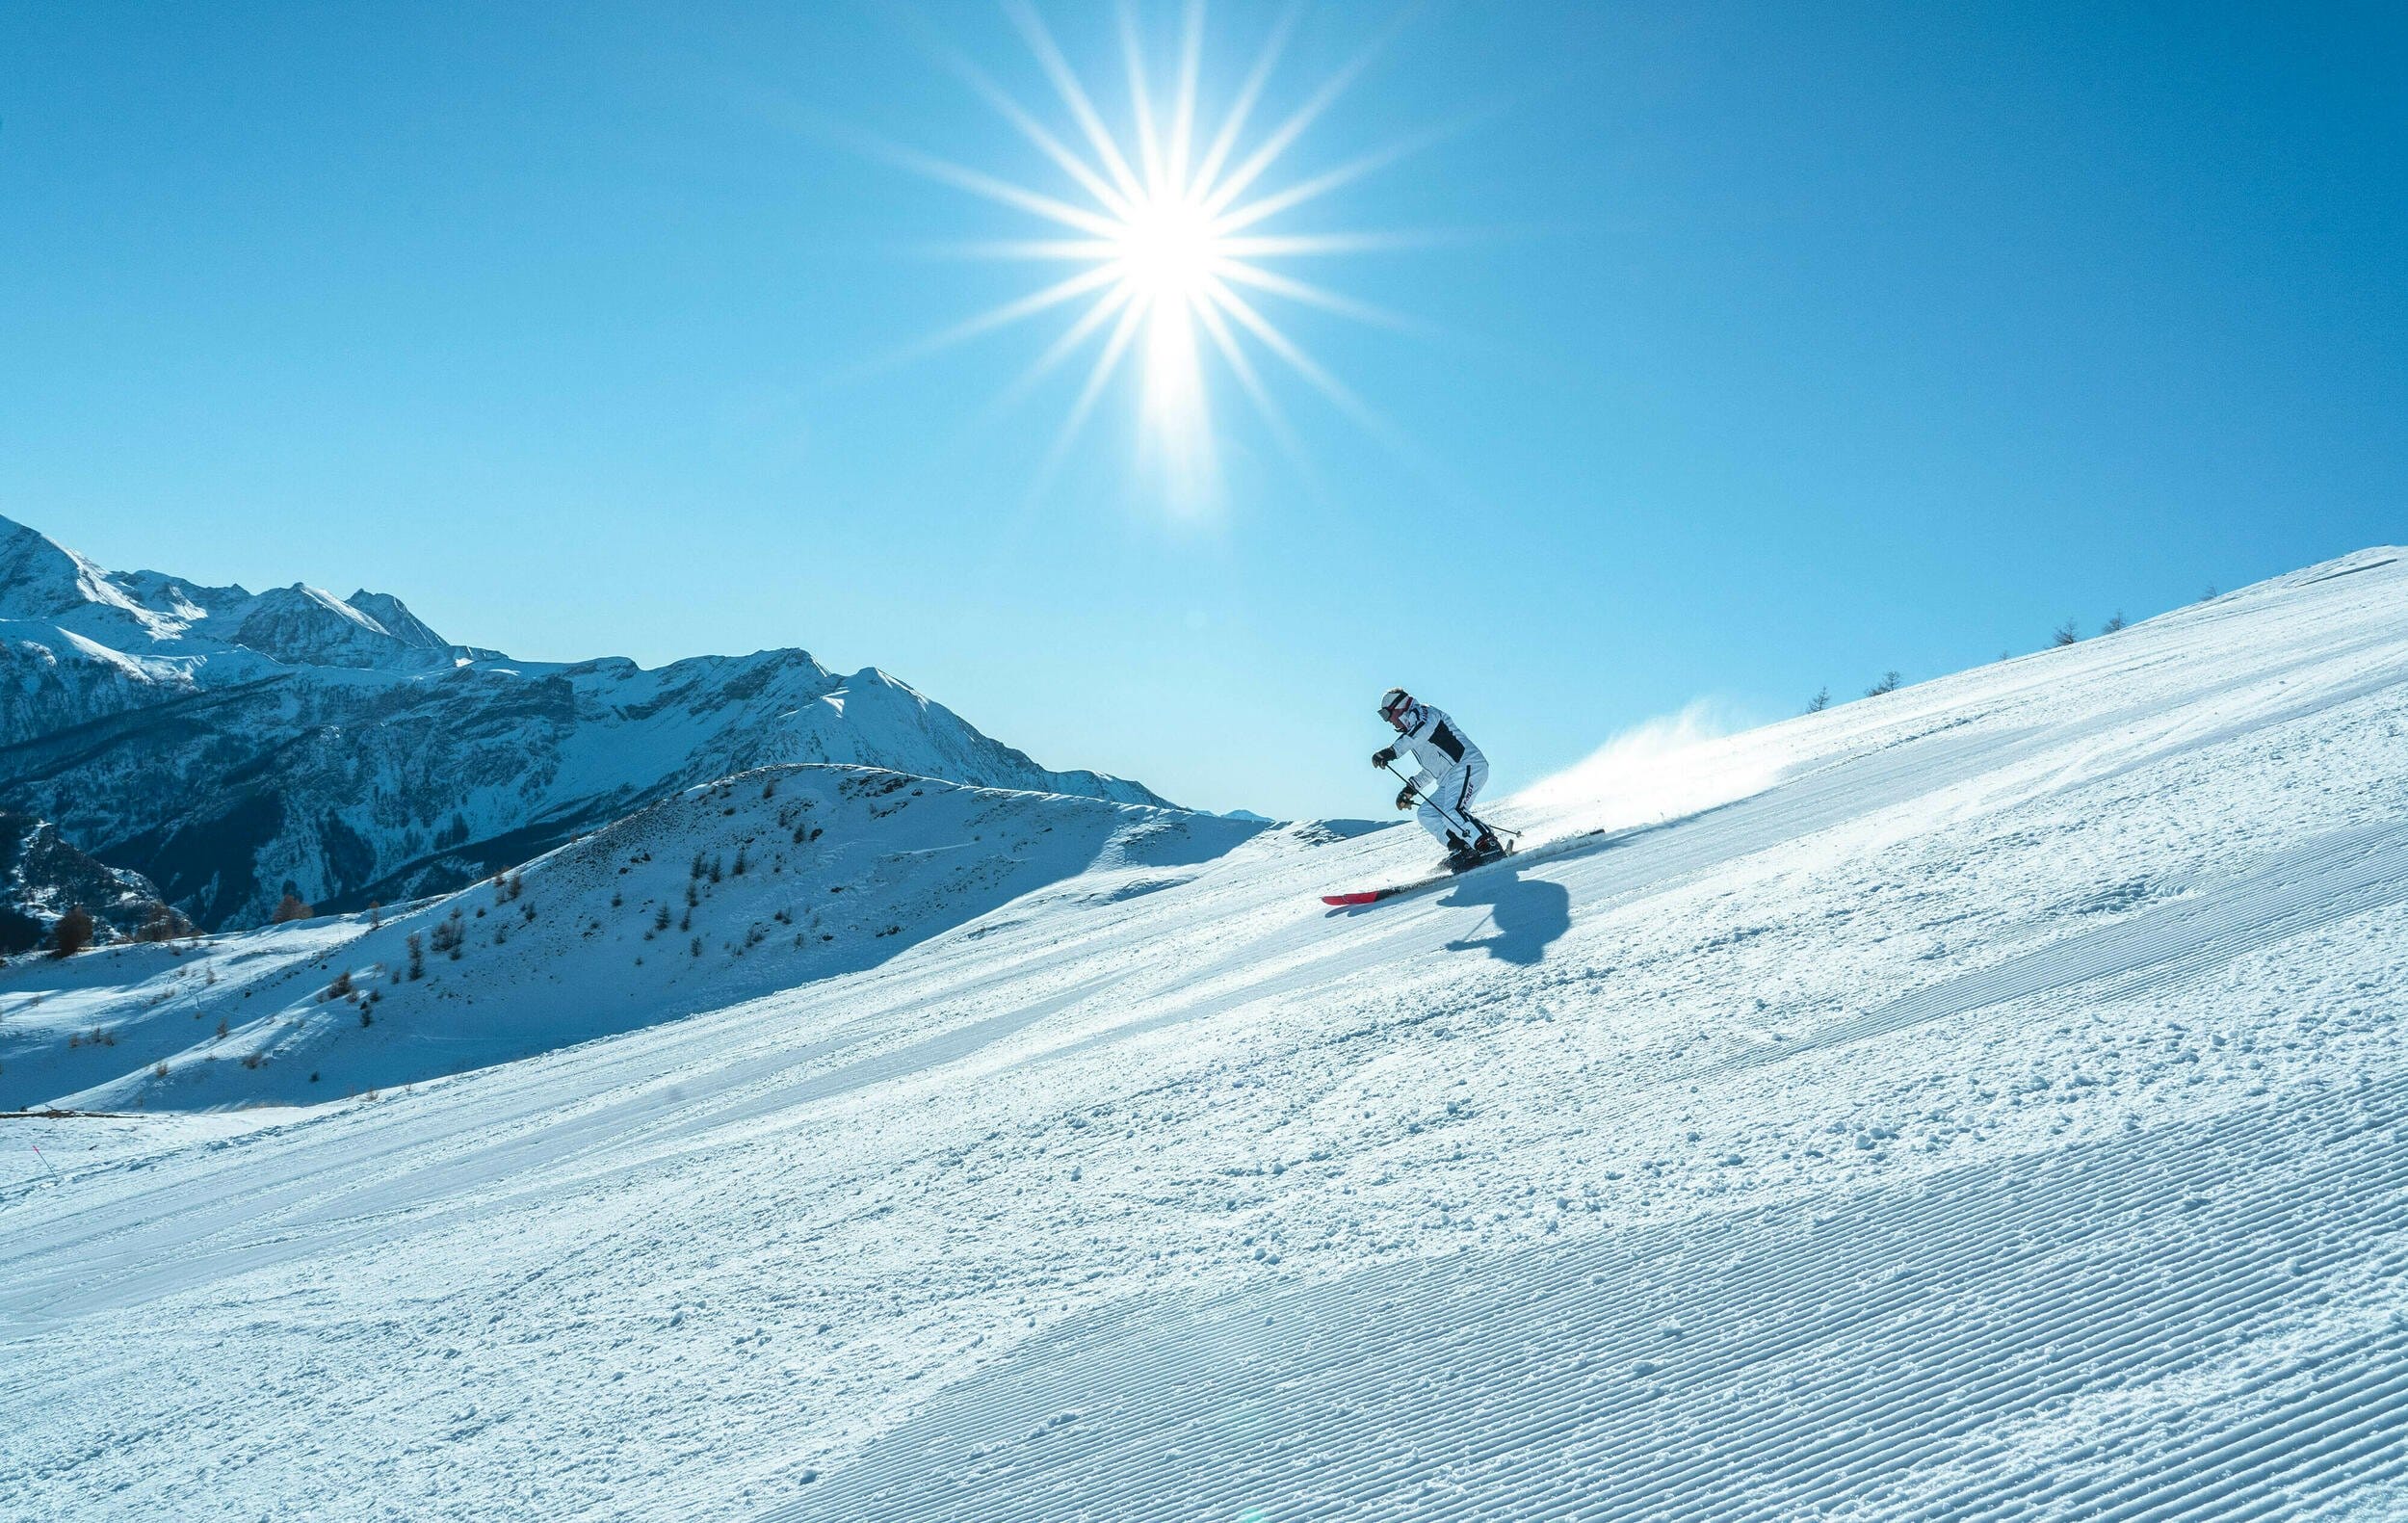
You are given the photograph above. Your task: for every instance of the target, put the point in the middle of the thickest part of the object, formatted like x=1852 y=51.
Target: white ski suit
x=1453 y=772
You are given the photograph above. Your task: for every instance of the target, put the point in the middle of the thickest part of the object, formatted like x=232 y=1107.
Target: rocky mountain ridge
x=233 y=747
x=43 y=876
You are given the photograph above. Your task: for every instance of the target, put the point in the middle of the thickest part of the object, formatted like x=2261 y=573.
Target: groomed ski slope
x=1983 y=1101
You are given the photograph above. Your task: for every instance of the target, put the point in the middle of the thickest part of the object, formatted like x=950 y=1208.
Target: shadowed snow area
x=1983 y=1101
x=754 y=884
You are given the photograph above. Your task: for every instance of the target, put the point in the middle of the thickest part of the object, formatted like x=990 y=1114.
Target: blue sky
x=1755 y=348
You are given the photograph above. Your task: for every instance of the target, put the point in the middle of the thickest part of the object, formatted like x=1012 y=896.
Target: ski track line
x=285 y=1220
x=2003 y=1341
x=261 y=1197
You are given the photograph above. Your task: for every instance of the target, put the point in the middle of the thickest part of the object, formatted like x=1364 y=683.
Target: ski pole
x=47 y=1163
x=1461 y=817
x=1456 y=815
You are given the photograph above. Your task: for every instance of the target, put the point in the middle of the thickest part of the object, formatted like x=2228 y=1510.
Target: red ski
x=1373 y=896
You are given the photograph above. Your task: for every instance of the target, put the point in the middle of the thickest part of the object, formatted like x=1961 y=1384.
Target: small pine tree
x=1820 y=701
x=375 y=914
x=290 y=909
x=660 y=921
x=341 y=987
x=2064 y=634
x=2115 y=622
x=1889 y=683
x=741 y=863
x=417 y=955
x=72 y=933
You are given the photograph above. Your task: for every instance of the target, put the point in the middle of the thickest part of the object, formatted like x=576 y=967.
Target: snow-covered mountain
x=232 y=747
x=41 y=876
x=1989 y=1100
x=757 y=883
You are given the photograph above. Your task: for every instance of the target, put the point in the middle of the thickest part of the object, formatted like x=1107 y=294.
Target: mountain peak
x=394 y=617
x=304 y=625
x=40 y=578
x=351 y=752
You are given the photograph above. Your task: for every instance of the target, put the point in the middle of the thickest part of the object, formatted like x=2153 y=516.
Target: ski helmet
x=1394 y=702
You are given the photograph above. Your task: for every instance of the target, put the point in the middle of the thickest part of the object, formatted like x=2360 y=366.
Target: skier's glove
x=1405 y=799
x=1383 y=756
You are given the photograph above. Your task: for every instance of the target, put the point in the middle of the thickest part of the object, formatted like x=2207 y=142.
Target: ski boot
x=1462 y=856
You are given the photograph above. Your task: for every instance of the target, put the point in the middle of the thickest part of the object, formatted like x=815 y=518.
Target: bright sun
x=1166 y=233
x=1167 y=249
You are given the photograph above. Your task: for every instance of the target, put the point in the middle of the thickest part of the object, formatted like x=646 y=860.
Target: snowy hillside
x=230 y=746
x=760 y=883
x=1983 y=1101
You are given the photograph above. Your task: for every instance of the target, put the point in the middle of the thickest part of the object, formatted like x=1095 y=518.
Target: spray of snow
x=1663 y=767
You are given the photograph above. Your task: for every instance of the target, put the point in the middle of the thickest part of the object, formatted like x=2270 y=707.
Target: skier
x=1451 y=772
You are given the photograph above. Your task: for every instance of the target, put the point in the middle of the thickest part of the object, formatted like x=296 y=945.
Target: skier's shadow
x=1529 y=913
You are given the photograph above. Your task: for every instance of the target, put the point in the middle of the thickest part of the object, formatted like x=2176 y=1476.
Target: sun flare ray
x=1303 y=364
x=1068 y=289
x=1284 y=136
x=1183 y=103
x=1037 y=251
x=1132 y=317
x=1141 y=103
x=1102 y=311
x=1251 y=382
x=945 y=172
x=1310 y=295
x=1225 y=141
x=1074 y=95
x=1046 y=143
x=1172 y=241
